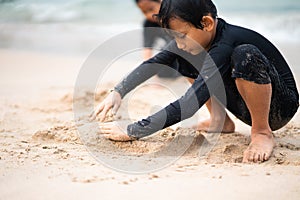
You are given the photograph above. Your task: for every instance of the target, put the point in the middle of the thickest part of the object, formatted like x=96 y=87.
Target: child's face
x=149 y=8
x=191 y=39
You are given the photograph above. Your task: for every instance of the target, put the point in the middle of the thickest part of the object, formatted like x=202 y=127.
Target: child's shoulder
x=231 y=33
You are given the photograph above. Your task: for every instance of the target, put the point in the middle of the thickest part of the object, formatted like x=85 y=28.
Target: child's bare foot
x=214 y=126
x=260 y=148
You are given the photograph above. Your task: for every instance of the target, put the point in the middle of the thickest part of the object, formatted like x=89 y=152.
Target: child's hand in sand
x=112 y=101
x=113 y=132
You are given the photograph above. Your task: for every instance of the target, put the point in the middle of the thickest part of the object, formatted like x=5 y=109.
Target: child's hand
x=112 y=101
x=113 y=132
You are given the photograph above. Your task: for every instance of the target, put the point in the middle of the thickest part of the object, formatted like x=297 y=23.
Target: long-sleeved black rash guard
x=211 y=70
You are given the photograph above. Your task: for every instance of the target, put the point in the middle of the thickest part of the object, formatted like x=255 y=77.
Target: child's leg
x=258 y=98
x=251 y=73
x=215 y=123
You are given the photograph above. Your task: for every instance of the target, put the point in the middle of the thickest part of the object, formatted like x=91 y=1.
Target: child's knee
x=250 y=64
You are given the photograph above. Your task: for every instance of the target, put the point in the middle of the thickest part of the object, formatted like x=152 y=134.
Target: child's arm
x=208 y=83
x=143 y=72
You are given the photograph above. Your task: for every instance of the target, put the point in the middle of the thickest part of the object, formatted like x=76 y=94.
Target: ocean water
x=79 y=26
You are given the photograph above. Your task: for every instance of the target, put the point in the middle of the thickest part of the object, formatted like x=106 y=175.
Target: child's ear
x=208 y=23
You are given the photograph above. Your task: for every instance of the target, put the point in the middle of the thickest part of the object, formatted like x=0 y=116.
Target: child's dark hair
x=191 y=11
x=137 y=1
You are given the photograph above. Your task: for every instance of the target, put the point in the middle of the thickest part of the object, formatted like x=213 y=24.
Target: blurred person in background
x=154 y=38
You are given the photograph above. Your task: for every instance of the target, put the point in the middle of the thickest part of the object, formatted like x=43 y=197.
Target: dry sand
x=43 y=156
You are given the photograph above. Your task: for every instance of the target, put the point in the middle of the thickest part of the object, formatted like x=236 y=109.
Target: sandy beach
x=43 y=155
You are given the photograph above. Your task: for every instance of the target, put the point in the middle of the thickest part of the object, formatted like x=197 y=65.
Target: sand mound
x=167 y=142
x=63 y=133
x=170 y=142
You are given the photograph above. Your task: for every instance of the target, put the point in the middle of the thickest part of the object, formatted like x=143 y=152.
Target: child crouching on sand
x=259 y=85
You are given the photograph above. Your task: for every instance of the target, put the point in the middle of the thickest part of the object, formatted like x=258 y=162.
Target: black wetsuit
x=237 y=53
